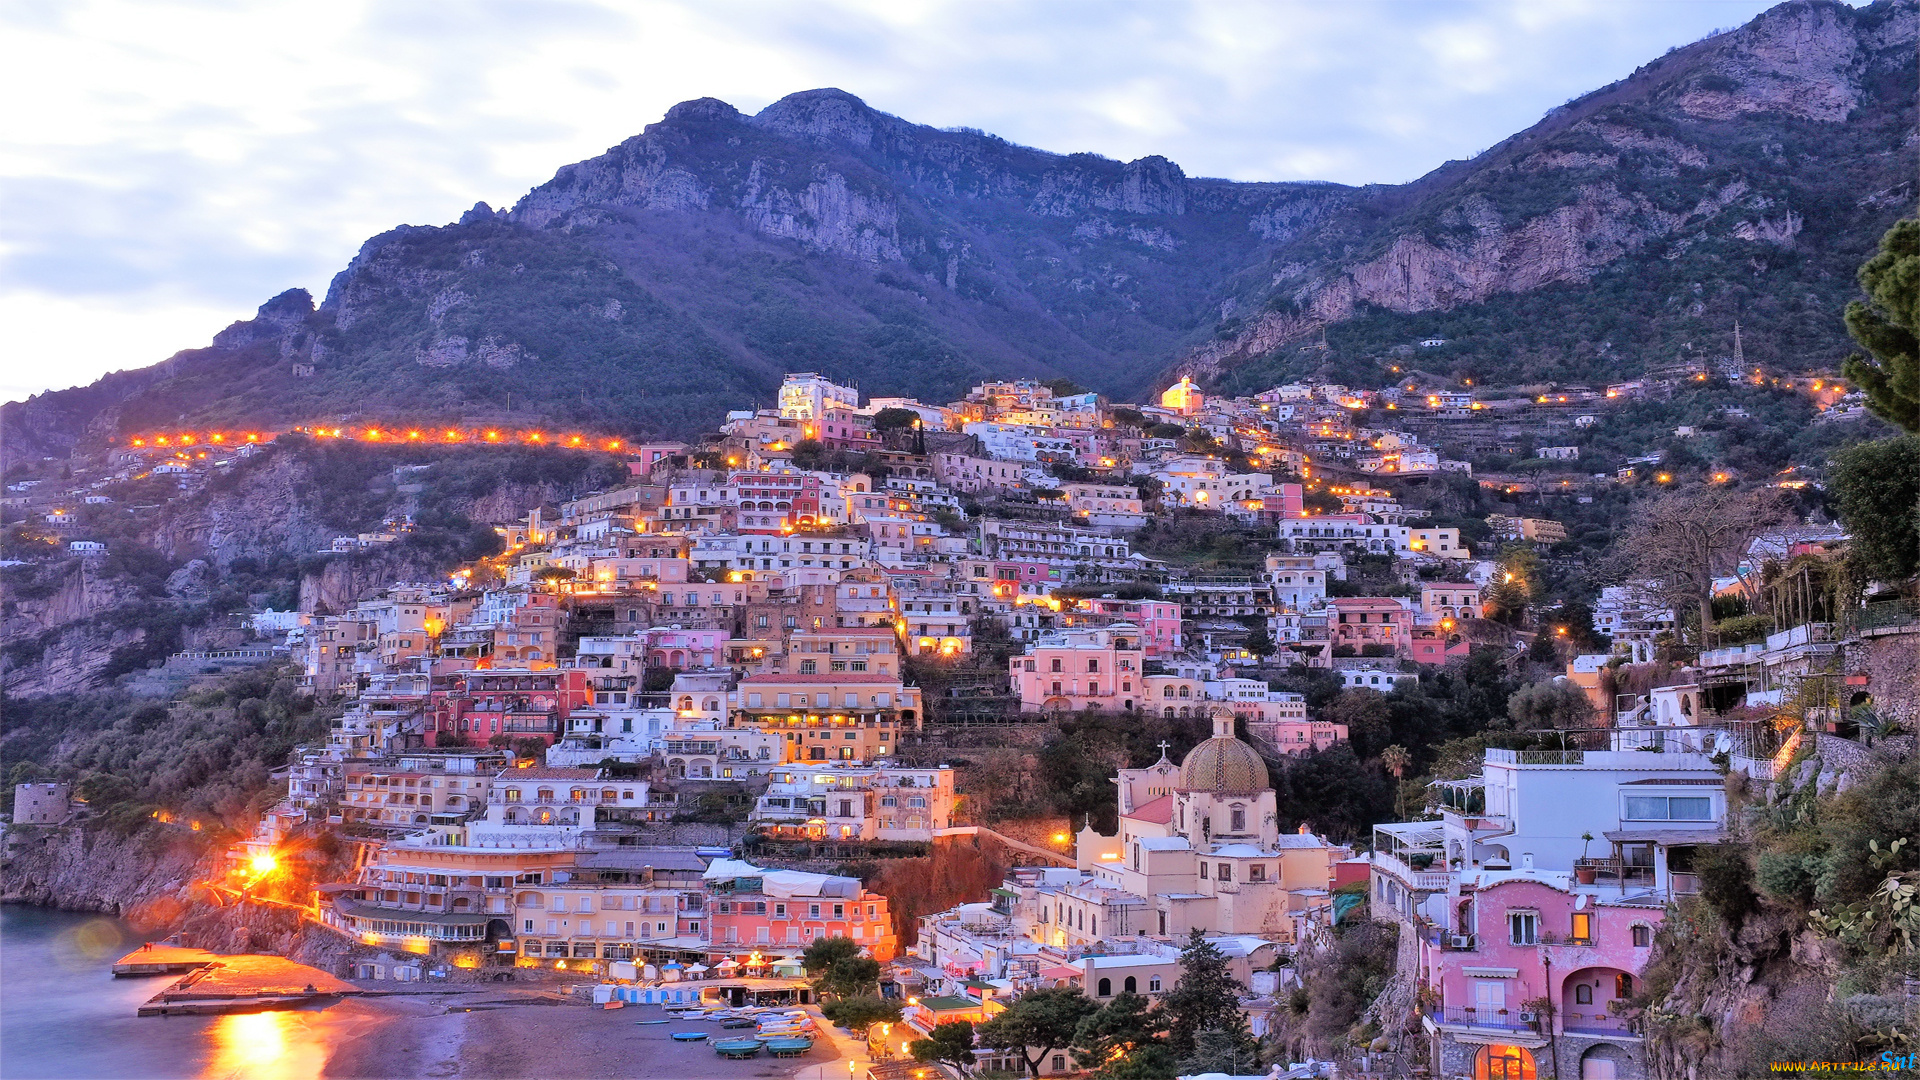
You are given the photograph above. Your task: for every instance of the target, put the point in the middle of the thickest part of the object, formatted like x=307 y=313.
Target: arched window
x=1185 y=692
x=1106 y=987
x=1169 y=712
x=1130 y=986
x=1166 y=691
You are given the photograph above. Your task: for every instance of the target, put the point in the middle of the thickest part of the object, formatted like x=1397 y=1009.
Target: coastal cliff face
x=254 y=537
x=150 y=879
x=678 y=274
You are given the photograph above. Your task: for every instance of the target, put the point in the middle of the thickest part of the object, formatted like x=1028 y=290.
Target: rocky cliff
x=681 y=272
x=255 y=537
x=154 y=879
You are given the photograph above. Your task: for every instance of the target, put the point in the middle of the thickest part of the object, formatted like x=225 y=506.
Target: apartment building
x=1082 y=669
x=1385 y=622
x=1450 y=600
x=843 y=801
x=781 y=912
x=831 y=716
x=476 y=706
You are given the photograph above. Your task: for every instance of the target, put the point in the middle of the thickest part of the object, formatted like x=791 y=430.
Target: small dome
x=1223 y=764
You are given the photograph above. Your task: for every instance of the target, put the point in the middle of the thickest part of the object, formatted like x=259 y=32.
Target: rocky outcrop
x=147 y=876
x=1800 y=59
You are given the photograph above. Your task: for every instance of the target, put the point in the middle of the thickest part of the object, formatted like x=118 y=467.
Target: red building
x=478 y=706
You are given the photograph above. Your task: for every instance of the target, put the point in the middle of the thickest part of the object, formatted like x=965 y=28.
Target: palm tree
x=1396 y=760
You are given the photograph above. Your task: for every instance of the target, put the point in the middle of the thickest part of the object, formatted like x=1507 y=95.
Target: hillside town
x=659 y=740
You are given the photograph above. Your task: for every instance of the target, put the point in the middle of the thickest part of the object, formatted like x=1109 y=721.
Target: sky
x=166 y=166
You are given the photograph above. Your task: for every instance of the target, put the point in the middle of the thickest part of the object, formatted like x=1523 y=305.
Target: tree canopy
x=894 y=419
x=1887 y=325
x=951 y=1042
x=1206 y=999
x=1037 y=1023
x=1876 y=489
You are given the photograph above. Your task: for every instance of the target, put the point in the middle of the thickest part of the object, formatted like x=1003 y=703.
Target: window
x=1669 y=808
x=1239 y=816
x=1153 y=984
x=1257 y=872
x=1583 y=927
x=1106 y=987
x=809 y=667
x=1226 y=871
x=1623 y=986
x=1642 y=936
x=1583 y=994
x=1130 y=986
x=1522 y=927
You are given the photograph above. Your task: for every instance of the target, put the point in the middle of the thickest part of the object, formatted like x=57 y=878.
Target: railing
x=1892 y=613
x=1619 y=870
x=1596 y=1024
x=1448 y=941
x=1468 y=1016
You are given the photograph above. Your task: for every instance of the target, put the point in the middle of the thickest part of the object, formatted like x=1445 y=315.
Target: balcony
x=1425 y=880
x=1484 y=1019
x=1602 y=1025
x=1614 y=871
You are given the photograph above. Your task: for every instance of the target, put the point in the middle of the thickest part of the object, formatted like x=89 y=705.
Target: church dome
x=1223 y=764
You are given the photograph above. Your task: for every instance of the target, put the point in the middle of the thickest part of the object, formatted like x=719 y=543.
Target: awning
x=1664 y=837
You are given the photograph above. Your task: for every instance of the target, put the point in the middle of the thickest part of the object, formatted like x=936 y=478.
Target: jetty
x=162 y=959
x=213 y=983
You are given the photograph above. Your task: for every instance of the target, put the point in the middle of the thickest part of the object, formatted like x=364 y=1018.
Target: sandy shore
x=497 y=1034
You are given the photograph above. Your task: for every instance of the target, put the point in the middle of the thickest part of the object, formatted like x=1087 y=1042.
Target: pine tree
x=1888 y=326
x=1206 y=999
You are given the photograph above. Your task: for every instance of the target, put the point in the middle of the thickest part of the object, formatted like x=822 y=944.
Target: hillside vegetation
x=1738 y=178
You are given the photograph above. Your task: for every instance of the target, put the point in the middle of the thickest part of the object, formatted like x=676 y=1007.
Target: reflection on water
x=266 y=1046
x=63 y=1016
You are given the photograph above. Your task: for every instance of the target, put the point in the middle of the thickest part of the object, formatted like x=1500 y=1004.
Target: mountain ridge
x=678 y=274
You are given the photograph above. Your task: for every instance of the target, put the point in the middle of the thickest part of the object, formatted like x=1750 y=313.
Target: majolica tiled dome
x=1223 y=764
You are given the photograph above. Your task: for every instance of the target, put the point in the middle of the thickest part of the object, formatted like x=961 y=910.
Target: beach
x=491 y=1034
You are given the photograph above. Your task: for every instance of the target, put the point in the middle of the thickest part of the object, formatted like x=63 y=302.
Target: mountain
x=678 y=274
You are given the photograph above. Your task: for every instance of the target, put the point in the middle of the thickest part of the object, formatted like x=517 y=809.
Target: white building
x=808 y=395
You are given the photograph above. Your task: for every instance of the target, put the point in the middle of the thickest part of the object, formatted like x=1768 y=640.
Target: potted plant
x=1584 y=872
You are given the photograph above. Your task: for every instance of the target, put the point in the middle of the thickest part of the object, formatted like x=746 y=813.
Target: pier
x=222 y=984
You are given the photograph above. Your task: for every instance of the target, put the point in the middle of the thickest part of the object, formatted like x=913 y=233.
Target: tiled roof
x=1159 y=811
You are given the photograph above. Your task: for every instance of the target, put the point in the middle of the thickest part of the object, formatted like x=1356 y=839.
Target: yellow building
x=1183 y=397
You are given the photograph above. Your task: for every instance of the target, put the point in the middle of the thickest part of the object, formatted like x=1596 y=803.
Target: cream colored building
x=1201 y=844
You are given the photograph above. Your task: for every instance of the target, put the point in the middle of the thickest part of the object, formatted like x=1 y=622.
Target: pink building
x=758 y=915
x=1436 y=642
x=1359 y=621
x=1533 y=938
x=1081 y=669
x=1158 y=620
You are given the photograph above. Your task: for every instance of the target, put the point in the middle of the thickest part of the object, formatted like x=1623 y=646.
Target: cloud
x=171 y=163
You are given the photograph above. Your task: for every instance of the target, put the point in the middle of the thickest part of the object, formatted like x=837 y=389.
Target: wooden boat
x=789 y=1047
x=738 y=1049
x=689 y=1036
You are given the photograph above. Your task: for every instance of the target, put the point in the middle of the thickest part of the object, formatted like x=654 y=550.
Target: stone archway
x=1604 y=1061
